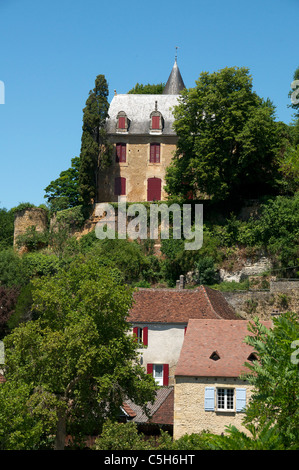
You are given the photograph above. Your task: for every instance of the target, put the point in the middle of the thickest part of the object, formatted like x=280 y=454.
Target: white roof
x=138 y=109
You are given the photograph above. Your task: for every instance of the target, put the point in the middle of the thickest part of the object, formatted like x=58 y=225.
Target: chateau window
x=156 y=121
x=155 y=153
x=160 y=372
x=121 y=153
x=120 y=186
x=122 y=124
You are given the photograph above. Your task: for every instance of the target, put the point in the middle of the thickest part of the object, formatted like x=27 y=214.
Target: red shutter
x=155 y=153
x=145 y=336
x=149 y=369
x=155 y=122
x=185 y=329
x=119 y=186
x=121 y=122
x=135 y=333
x=118 y=152
x=121 y=153
x=152 y=153
x=154 y=189
x=165 y=374
x=123 y=186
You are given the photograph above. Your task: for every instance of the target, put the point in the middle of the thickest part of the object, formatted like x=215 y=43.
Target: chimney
x=180 y=284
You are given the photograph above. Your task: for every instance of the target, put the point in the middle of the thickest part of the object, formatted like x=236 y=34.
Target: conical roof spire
x=175 y=83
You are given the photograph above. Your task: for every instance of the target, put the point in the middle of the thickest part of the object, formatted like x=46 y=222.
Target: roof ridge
x=210 y=302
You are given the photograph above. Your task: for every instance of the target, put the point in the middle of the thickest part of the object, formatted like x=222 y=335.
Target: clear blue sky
x=51 y=52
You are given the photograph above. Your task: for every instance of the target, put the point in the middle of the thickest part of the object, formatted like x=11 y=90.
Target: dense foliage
x=95 y=149
x=228 y=139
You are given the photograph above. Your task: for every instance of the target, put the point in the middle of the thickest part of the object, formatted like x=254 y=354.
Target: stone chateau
x=140 y=128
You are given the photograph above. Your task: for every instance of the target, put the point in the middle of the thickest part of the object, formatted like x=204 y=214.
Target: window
x=154 y=189
x=141 y=334
x=160 y=372
x=156 y=121
x=155 y=153
x=121 y=153
x=122 y=122
x=225 y=399
x=120 y=186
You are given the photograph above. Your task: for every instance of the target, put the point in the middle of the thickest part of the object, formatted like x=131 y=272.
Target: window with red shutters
x=121 y=153
x=154 y=189
x=156 y=122
x=155 y=153
x=120 y=186
x=121 y=122
x=160 y=372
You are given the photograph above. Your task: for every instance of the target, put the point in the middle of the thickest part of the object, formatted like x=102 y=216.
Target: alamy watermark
x=2 y=92
x=295 y=94
x=187 y=222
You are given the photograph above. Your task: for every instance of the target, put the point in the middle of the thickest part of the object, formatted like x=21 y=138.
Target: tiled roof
x=205 y=337
x=2 y=378
x=161 y=411
x=179 y=305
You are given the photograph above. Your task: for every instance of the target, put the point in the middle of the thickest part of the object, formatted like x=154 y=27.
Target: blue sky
x=52 y=51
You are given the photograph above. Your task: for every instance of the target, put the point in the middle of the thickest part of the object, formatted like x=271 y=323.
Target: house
x=160 y=318
x=161 y=413
x=208 y=392
x=140 y=128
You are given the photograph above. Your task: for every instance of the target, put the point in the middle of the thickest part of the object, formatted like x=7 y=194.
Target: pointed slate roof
x=175 y=83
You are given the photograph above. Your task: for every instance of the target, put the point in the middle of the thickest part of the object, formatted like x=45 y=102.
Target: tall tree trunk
x=60 y=432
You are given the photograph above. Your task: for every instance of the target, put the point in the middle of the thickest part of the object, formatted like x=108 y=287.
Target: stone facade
x=190 y=415
x=140 y=127
x=31 y=217
x=137 y=169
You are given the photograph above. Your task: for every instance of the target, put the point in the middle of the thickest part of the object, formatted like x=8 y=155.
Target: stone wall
x=31 y=217
x=137 y=168
x=189 y=406
x=264 y=304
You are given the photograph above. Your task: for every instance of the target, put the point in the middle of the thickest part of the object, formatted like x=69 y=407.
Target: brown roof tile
x=179 y=305
x=204 y=337
x=161 y=411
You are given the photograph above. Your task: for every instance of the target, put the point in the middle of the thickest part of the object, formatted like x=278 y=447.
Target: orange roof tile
x=178 y=305
x=204 y=337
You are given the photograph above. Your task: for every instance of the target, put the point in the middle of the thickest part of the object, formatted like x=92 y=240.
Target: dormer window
x=156 y=122
x=122 y=124
x=252 y=357
x=215 y=356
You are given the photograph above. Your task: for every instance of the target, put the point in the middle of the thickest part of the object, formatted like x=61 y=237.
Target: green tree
x=95 y=148
x=63 y=192
x=6 y=228
x=148 y=89
x=275 y=377
x=227 y=139
x=77 y=355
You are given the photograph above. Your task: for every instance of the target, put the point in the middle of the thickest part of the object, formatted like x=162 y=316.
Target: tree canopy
x=148 y=89
x=63 y=192
x=75 y=362
x=227 y=139
x=95 y=148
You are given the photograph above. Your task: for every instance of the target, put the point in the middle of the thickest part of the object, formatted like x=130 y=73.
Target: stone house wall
x=137 y=169
x=189 y=406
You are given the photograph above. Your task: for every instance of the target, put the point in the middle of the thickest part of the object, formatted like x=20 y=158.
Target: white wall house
x=159 y=319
